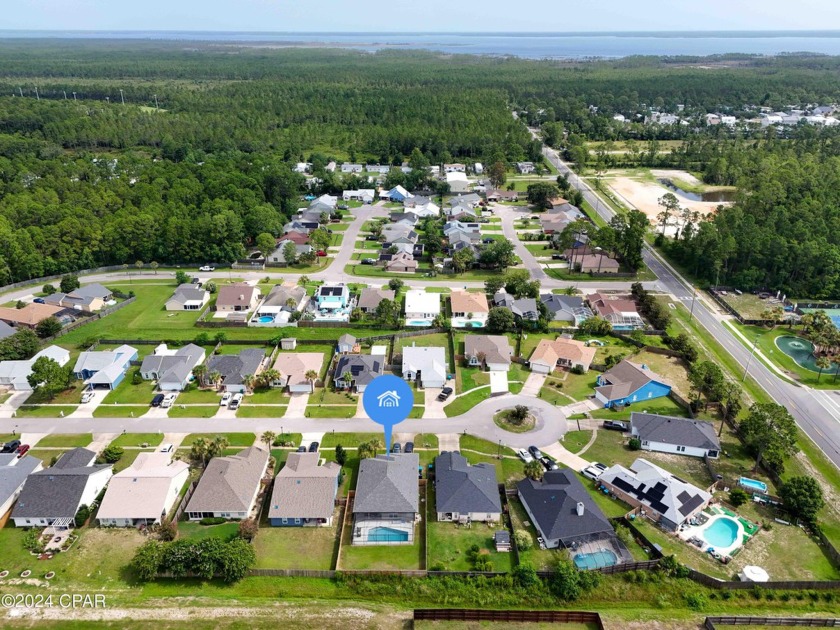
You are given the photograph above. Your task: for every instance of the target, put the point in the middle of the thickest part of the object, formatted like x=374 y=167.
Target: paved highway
x=816 y=411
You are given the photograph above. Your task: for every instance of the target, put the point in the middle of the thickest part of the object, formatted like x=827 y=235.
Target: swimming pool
x=265 y=319
x=387 y=534
x=418 y=322
x=464 y=322
x=722 y=533
x=753 y=484
x=596 y=559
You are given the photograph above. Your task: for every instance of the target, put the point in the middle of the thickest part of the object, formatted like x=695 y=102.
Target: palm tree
x=248 y=381
x=217 y=447
x=200 y=373
x=269 y=376
x=822 y=362
x=311 y=376
x=534 y=470
x=215 y=378
x=268 y=438
x=347 y=378
x=199 y=450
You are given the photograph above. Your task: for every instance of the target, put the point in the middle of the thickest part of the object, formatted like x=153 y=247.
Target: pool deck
x=715 y=514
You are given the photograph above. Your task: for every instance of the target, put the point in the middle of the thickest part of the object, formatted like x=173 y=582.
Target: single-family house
x=455 y=168
x=454 y=226
x=420 y=305
x=386 y=504
x=563 y=353
x=278 y=256
x=491 y=351
x=381 y=169
x=399 y=233
x=357 y=370
x=620 y=312
x=104 y=369
x=425 y=365
x=554 y=223
x=523 y=308
x=188 y=297
x=567 y=308
x=304 y=492
x=238 y=297
x=627 y=383
x=462 y=213
x=469 y=310
x=408 y=218
x=15 y=374
x=665 y=499
x=458 y=182
x=416 y=200
x=365 y=195
x=469 y=200
x=332 y=297
x=597 y=262
x=13 y=474
x=502 y=195
x=464 y=492
x=6 y=330
x=370 y=298
x=234 y=368
x=298 y=238
x=172 y=369
x=330 y=167
x=679 y=436
x=143 y=493
x=89 y=298
x=303 y=167
x=525 y=167
x=398 y=193
x=563 y=512
x=30 y=315
x=346 y=344
x=304 y=227
x=478 y=168
x=229 y=486
x=294 y=368
x=401 y=262
x=53 y=496
x=428 y=209
x=282 y=298
x=347 y=167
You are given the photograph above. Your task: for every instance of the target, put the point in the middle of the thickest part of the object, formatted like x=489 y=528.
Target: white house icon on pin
x=389 y=399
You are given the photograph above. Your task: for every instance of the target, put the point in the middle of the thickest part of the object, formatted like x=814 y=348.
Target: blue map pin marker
x=387 y=401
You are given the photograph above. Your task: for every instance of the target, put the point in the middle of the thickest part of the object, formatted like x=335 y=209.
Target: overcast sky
x=409 y=16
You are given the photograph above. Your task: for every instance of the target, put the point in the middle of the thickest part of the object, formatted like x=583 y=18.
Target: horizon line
x=436 y=32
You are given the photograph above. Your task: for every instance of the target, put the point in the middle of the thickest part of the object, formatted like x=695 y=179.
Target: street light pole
x=693 y=298
x=755 y=343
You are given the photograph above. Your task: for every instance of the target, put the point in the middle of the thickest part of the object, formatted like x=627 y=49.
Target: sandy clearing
x=645 y=196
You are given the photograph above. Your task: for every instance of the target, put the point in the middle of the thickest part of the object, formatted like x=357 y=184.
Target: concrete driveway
x=434 y=407
x=533 y=384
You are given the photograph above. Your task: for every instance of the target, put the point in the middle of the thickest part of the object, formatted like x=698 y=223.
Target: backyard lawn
x=664 y=406
x=310 y=548
x=540 y=559
x=382 y=557
x=193 y=530
x=673 y=369
x=65 y=440
x=448 y=543
x=234 y=439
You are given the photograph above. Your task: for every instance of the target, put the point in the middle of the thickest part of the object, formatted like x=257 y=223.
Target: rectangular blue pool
x=387 y=534
x=595 y=560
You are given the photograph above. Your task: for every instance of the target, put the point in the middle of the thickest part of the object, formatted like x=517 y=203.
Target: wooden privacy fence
x=712 y=623
x=509 y=616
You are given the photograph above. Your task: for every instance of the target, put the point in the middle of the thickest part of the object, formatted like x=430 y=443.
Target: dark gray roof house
x=682 y=436
x=53 y=496
x=363 y=368
x=387 y=484
x=562 y=509
x=567 y=308
x=525 y=308
x=13 y=473
x=234 y=367
x=464 y=491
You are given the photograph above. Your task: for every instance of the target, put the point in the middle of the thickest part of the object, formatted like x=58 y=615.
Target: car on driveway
x=225 y=399
x=371 y=237
x=157 y=400
x=548 y=463
x=557 y=257
x=445 y=393
x=616 y=425
x=87 y=396
x=600 y=466
x=524 y=455
x=168 y=399
x=397 y=448
x=207 y=268
x=313 y=448
x=301 y=449
x=535 y=452
x=488 y=241
x=22 y=450
x=409 y=447
x=11 y=447
x=591 y=472
x=368 y=261
x=322 y=253
x=235 y=401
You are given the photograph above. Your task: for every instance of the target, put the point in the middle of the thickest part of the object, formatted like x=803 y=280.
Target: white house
x=421 y=305
x=679 y=436
x=478 y=168
x=429 y=209
x=351 y=168
x=15 y=374
x=454 y=168
x=303 y=167
x=188 y=297
x=457 y=181
x=365 y=195
x=525 y=167
x=426 y=365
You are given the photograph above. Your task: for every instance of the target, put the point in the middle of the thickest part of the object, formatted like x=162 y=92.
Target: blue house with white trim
x=398 y=193
x=104 y=370
x=627 y=383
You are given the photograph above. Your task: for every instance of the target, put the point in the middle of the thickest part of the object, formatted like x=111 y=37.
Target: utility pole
x=74 y=96
x=156 y=103
x=65 y=94
x=693 y=298
x=37 y=96
x=122 y=97
x=755 y=343
x=20 y=89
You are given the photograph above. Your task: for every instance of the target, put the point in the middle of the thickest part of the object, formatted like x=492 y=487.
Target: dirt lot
x=644 y=194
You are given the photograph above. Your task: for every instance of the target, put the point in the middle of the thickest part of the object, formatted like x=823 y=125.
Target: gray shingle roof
x=233 y=367
x=363 y=367
x=625 y=378
x=13 y=472
x=370 y=297
x=229 y=483
x=94 y=290
x=387 y=483
x=55 y=492
x=496 y=348
x=553 y=504
x=303 y=489
x=6 y=330
x=677 y=431
x=462 y=488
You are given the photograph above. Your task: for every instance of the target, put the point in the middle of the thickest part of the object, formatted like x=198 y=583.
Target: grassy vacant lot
x=44 y=411
x=193 y=411
x=70 y=396
x=749 y=305
x=330 y=411
x=348 y=440
x=234 y=439
x=68 y=440
x=448 y=543
x=261 y=411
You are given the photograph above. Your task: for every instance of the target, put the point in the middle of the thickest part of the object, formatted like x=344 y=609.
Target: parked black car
x=488 y=241
x=535 y=452
x=548 y=463
x=313 y=448
x=409 y=447
x=301 y=449
x=11 y=447
x=616 y=425
x=157 y=400
x=371 y=237
x=445 y=393
x=557 y=257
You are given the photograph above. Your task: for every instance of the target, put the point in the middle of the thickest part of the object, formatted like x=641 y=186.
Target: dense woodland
x=92 y=181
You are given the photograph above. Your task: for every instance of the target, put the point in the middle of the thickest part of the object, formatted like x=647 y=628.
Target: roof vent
x=242 y=297
x=580 y=508
x=644 y=366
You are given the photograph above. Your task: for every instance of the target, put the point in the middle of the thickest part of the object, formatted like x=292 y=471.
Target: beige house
x=229 y=486
x=469 y=310
x=238 y=297
x=401 y=262
x=562 y=352
x=143 y=493
x=30 y=315
x=492 y=351
x=596 y=263
x=293 y=368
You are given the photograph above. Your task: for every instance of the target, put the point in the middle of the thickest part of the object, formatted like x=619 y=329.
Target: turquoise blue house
x=331 y=297
x=627 y=383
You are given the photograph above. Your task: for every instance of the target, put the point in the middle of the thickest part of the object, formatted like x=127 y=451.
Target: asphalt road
x=817 y=412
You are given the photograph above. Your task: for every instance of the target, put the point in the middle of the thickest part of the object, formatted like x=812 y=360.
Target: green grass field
x=574 y=441
x=296 y=547
x=234 y=439
x=120 y=411
x=65 y=440
x=136 y=439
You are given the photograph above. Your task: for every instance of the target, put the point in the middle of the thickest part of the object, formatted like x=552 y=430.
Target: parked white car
x=225 y=399
x=87 y=396
x=167 y=448
x=207 y=268
x=592 y=472
x=235 y=401
x=168 y=400
x=524 y=455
